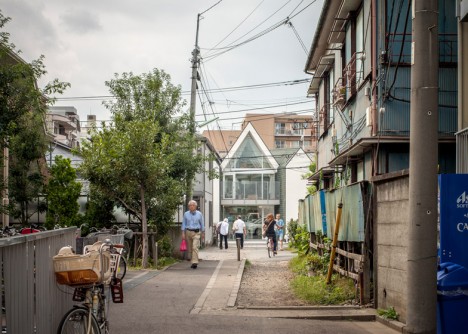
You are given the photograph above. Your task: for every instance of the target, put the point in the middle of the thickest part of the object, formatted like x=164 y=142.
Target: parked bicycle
x=120 y=255
x=94 y=279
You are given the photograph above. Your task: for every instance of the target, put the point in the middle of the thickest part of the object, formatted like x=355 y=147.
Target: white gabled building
x=256 y=181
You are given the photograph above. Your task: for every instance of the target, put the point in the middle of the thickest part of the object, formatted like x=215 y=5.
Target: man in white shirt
x=223 y=229
x=240 y=230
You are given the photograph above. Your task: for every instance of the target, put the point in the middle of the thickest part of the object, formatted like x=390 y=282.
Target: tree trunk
x=144 y=230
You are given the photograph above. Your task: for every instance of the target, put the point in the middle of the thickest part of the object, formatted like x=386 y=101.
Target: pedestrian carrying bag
x=183 y=245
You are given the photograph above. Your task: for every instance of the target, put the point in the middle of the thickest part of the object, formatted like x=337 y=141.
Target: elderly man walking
x=193 y=227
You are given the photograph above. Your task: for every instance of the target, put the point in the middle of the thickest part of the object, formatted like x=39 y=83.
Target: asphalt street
x=184 y=300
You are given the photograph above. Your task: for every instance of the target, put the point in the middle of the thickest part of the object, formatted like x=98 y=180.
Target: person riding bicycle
x=270 y=229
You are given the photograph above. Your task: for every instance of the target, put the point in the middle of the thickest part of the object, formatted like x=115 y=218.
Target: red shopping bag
x=183 y=245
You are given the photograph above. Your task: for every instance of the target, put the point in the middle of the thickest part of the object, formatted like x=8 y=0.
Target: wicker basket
x=71 y=269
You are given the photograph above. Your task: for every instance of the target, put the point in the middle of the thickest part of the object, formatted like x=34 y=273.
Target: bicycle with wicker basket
x=94 y=280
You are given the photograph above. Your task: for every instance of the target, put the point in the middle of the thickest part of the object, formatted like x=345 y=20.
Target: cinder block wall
x=390 y=241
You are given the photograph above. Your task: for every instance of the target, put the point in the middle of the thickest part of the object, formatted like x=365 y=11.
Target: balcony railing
x=253 y=190
x=462 y=149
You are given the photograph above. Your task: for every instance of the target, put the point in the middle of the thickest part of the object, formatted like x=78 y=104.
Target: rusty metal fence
x=32 y=302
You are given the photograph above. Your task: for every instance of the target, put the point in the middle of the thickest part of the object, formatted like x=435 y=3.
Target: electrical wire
x=230 y=47
x=211 y=49
x=219 y=90
x=258 y=25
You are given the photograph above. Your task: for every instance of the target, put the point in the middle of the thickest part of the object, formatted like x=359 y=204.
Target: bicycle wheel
x=76 y=322
x=126 y=251
x=269 y=248
x=121 y=269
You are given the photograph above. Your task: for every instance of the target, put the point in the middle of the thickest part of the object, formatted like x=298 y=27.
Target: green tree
x=26 y=180
x=141 y=161
x=63 y=192
x=23 y=106
x=99 y=209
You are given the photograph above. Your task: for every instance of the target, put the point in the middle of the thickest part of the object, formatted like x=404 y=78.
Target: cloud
x=80 y=21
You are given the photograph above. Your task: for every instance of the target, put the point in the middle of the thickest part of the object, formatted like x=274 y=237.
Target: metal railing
x=462 y=151
x=254 y=190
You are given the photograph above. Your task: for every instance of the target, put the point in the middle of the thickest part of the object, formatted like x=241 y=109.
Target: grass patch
x=388 y=313
x=309 y=283
x=316 y=291
x=247 y=263
x=162 y=263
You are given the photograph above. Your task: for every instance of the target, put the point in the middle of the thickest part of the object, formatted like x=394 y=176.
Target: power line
x=218 y=90
x=230 y=47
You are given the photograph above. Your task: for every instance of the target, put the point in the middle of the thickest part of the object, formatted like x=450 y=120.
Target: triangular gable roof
x=299 y=154
x=249 y=130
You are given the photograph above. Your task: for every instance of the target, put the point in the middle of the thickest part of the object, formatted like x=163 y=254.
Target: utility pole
x=193 y=91
x=422 y=227
x=193 y=97
x=5 y=199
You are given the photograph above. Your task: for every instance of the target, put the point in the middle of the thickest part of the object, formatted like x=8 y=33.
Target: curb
x=235 y=289
x=393 y=324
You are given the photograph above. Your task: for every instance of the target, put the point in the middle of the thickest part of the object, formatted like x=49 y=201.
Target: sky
x=86 y=42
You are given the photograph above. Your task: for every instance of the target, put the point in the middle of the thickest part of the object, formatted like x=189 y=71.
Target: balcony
x=252 y=191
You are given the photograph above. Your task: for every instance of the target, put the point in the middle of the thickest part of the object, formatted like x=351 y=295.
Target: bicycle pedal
x=116 y=290
x=79 y=295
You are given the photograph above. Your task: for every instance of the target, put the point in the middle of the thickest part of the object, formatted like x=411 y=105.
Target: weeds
x=315 y=290
x=310 y=285
x=388 y=313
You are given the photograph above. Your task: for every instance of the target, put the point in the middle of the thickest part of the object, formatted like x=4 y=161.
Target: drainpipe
x=374 y=65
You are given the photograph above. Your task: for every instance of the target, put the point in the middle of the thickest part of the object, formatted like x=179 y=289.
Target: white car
x=254 y=227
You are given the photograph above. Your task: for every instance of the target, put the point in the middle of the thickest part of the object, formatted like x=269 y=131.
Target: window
x=61 y=129
x=279 y=143
x=249 y=155
x=280 y=128
x=228 y=183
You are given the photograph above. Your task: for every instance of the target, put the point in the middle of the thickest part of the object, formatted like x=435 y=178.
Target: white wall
x=296 y=187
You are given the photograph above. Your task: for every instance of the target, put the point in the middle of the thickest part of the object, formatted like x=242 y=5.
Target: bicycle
x=93 y=278
x=270 y=247
x=118 y=256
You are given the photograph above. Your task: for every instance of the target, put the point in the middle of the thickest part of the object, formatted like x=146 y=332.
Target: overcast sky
x=85 y=42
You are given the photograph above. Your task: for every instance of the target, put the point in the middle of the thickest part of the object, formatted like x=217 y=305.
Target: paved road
x=182 y=300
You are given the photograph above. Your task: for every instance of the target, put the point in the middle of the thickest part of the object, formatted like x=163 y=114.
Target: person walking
x=269 y=225
x=193 y=228
x=223 y=229
x=279 y=230
x=240 y=230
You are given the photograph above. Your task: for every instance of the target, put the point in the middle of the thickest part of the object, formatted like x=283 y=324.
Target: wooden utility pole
x=422 y=227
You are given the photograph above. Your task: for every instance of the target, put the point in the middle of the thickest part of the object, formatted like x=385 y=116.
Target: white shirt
x=224 y=229
x=240 y=226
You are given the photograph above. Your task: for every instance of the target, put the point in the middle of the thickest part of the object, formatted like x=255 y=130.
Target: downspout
x=373 y=65
x=374 y=54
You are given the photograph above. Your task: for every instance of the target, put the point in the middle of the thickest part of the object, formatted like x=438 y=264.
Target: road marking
x=139 y=279
x=199 y=304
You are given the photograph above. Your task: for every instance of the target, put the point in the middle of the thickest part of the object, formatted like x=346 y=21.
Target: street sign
x=453 y=194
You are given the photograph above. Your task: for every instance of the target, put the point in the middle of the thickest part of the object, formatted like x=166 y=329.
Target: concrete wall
x=390 y=241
